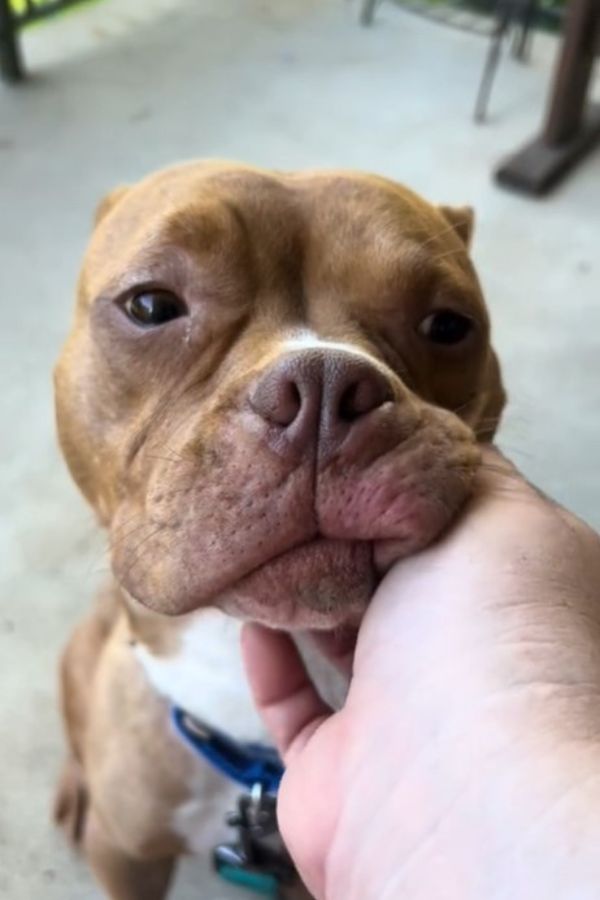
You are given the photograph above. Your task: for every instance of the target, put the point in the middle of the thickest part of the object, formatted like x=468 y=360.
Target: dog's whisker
x=136 y=554
x=118 y=539
x=515 y=450
x=178 y=455
x=461 y=408
x=473 y=398
x=511 y=482
x=487 y=422
x=126 y=522
x=119 y=530
x=114 y=539
x=450 y=228
x=182 y=490
x=168 y=459
x=126 y=539
x=457 y=251
x=184 y=457
x=98 y=569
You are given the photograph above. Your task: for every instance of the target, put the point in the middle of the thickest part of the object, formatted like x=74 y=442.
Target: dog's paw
x=71 y=802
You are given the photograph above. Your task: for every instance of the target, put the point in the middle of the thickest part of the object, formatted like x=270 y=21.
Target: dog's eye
x=445 y=327
x=154 y=307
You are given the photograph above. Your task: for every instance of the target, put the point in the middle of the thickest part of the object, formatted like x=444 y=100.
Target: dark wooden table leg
x=572 y=126
x=11 y=65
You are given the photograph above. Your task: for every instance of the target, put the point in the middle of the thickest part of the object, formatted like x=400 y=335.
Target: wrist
x=528 y=830
x=483 y=803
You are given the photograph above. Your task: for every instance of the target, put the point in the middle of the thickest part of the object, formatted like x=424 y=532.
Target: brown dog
x=274 y=385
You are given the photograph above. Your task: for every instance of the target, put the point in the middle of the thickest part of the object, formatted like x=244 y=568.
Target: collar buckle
x=257 y=859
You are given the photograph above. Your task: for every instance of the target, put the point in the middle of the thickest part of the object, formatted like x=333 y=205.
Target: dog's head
x=274 y=385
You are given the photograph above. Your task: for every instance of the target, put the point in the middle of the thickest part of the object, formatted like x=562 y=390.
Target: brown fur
x=158 y=435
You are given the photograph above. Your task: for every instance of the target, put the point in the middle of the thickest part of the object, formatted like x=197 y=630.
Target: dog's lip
x=289 y=551
x=317 y=540
x=324 y=584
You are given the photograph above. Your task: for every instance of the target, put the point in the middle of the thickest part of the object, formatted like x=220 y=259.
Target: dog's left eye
x=446 y=327
x=154 y=307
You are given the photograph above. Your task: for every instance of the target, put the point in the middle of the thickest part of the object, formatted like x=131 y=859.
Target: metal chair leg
x=367 y=12
x=11 y=64
x=523 y=33
x=491 y=65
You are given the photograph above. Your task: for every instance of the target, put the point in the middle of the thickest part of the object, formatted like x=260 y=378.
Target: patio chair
x=514 y=17
x=12 y=20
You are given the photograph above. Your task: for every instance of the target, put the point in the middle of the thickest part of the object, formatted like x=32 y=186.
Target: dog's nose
x=319 y=395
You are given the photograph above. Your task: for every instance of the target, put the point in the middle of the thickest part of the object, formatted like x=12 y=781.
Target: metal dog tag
x=257 y=860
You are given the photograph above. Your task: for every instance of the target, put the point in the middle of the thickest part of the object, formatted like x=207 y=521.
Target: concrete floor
x=119 y=89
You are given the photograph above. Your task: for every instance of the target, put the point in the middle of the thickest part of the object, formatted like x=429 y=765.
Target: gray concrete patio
x=123 y=86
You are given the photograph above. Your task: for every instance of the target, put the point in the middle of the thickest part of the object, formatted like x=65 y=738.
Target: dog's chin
x=321 y=584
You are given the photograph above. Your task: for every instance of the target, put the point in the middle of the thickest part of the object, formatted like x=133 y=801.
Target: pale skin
x=465 y=764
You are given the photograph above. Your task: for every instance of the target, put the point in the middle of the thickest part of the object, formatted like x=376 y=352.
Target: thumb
x=283 y=693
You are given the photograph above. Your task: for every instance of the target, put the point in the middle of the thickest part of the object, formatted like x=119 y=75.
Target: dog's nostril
x=360 y=397
x=277 y=401
x=318 y=396
x=288 y=404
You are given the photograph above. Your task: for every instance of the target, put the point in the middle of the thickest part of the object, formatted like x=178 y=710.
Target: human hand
x=465 y=762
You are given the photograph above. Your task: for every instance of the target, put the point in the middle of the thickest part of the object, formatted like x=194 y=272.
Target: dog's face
x=274 y=385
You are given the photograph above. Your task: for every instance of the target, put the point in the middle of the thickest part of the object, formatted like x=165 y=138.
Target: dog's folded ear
x=462 y=220
x=108 y=202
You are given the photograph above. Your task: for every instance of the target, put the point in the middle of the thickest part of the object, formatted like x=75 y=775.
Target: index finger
x=283 y=693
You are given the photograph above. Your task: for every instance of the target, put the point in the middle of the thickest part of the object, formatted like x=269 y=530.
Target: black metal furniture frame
x=505 y=17
x=11 y=60
x=511 y=15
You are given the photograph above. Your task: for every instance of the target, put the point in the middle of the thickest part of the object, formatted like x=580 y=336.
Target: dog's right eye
x=151 y=308
x=446 y=327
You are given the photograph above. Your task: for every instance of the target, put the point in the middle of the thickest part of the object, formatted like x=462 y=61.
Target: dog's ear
x=108 y=202
x=462 y=220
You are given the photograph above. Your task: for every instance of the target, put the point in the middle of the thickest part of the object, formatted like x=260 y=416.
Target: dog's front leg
x=122 y=876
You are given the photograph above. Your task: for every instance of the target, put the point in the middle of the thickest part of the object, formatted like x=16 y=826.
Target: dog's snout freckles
x=326 y=454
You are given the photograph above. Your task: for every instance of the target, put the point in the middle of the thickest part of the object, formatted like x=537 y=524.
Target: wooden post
x=572 y=126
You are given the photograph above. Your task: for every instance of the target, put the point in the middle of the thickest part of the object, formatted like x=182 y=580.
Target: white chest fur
x=204 y=674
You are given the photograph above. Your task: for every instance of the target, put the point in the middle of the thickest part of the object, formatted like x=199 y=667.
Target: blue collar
x=248 y=764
